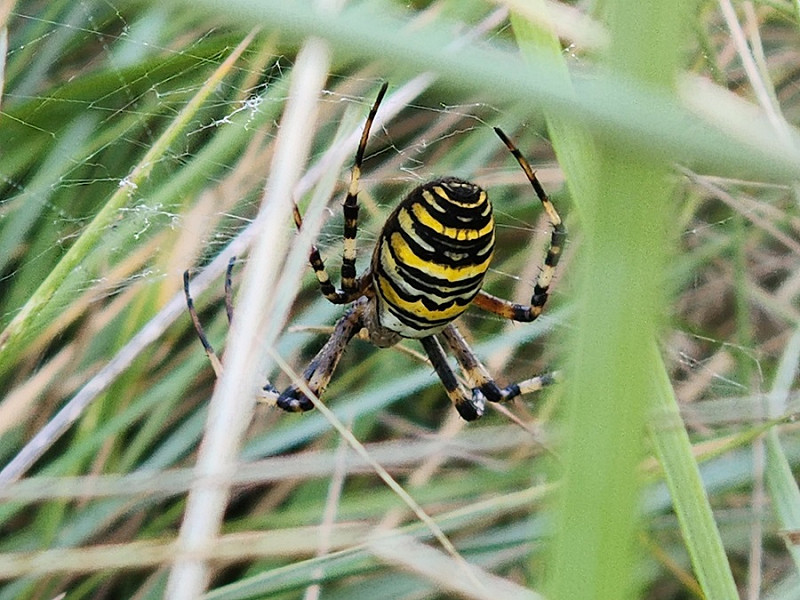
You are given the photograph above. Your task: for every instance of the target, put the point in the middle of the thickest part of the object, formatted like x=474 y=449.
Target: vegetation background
x=139 y=139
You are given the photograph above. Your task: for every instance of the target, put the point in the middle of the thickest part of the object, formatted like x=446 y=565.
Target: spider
x=427 y=267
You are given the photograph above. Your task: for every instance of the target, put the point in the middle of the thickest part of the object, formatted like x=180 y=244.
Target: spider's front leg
x=198 y=326
x=321 y=368
x=351 y=285
x=541 y=289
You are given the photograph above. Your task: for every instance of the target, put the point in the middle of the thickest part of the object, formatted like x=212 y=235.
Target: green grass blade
x=574 y=147
x=26 y=318
x=691 y=505
x=780 y=480
x=610 y=106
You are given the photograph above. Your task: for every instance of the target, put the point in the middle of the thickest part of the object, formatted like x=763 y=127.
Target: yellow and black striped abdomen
x=431 y=256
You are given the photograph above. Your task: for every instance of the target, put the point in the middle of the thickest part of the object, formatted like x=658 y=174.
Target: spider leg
x=229 y=289
x=321 y=368
x=350 y=206
x=470 y=405
x=198 y=327
x=478 y=376
x=351 y=285
x=529 y=312
x=505 y=308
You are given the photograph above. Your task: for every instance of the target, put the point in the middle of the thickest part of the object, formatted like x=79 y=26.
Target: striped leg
x=470 y=405
x=479 y=378
x=351 y=286
x=321 y=368
x=529 y=312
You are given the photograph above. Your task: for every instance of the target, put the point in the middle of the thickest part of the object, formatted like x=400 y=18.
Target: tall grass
x=136 y=142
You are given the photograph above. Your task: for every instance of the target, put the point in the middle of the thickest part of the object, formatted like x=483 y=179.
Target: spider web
x=90 y=130
x=90 y=87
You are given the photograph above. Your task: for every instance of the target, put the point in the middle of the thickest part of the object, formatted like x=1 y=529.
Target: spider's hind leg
x=474 y=371
x=478 y=376
x=469 y=404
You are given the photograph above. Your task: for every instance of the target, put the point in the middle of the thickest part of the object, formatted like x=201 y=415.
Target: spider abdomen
x=431 y=256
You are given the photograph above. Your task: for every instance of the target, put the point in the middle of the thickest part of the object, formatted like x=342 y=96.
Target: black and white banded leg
x=470 y=404
x=320 y=370
x=351 y=285
x=528 y=312
x=479 y=378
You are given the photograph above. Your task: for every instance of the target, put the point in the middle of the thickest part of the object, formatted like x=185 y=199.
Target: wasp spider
x=427 y=267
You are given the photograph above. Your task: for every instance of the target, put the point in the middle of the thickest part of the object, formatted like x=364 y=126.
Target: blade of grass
x=26 y=318
x=442 y=569
x=574 y=147
x=781 y=483
x=232 y=404
x=3 y=45
x=576 y=154
x=612 y=106
x=620 y=304
x=690 y=502
x=645 y=42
